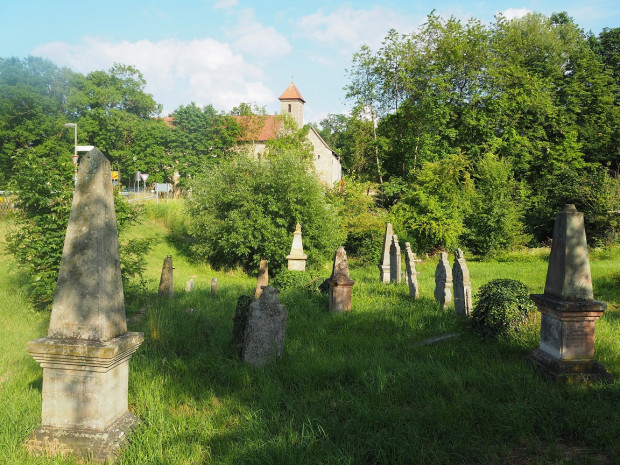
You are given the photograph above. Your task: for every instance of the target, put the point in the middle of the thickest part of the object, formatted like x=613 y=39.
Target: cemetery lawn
x=352 y=388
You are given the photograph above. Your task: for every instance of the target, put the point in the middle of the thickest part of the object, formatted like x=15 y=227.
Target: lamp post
x=75 y=155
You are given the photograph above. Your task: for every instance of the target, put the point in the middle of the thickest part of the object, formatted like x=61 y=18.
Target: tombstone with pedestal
x=461 y=284
x=569 y=311
x=384 y=265
x=85 y=356
x=410 y=272
x=263 y=278
x=396 y=265
x=443 y=281
x=340 y=284
x=297 y=258
x=166 y=281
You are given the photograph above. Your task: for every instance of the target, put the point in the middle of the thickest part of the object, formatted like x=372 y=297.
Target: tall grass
x=351 y=388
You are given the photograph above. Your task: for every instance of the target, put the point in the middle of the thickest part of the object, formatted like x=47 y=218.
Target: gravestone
x=263 y=278
x=166 y=282
x=85 y=356
x=396 y=266
x=214 y=286
x=569 y=311
x=263 y=325
x=410 y=272
x=443 y=281
x=340 y=284
x=189 y=285
x=297 y=258
x=384 y=266
x=461 y=284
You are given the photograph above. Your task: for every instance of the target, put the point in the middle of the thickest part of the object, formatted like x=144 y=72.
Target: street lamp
x=75 y=155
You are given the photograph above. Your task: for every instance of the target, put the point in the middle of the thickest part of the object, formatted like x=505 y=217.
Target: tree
x=243 y=209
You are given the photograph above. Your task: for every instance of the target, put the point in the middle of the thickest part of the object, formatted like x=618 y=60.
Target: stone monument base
x=570 y=371
x=296 y=264
x=97 y=446
x=339 y=296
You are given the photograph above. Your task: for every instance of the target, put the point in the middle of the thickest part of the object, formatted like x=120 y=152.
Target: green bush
x=244 y=209
x=501 y=306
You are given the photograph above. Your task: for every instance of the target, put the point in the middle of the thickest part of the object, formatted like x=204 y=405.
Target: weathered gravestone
x=396 y=265
x=263 y=278
x=189 y=285
x=384 y=266
x=85 y=356
x=443 y=281
x=297 y=258
x=461 y=284
x=166 y=282
x=569 y=311
x=340 y=284
x=410 y=272
x=213 y=286
x=259 y=328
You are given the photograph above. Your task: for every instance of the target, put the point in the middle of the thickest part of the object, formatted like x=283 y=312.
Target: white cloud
x=225 y=4
x=177 y=72
x=513 y=13
x=347 y=28
x=257 y=41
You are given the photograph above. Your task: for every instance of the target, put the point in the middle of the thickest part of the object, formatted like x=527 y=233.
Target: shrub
x=502 y=306
x=244 y=209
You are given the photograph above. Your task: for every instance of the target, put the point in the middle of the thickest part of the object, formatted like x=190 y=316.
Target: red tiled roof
x=291 y=93
x=259 y=128
x=169 y=120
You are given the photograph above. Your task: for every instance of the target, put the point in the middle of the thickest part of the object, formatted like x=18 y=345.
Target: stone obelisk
x=569 y=311
x=384 y=265
x=85 y=356
x=340 y=284
x=297 y=258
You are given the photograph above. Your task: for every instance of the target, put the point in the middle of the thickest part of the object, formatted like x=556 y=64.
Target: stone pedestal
x=85 y=356
x=340 y=284
x=297 y=258
x=384 y=265
x=569 y=312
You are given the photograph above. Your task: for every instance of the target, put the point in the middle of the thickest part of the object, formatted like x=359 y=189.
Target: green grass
x=352 y=388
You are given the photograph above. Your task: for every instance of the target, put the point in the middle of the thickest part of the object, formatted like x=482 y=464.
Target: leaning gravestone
x=85 y=356
x=569 y=311
x=384 y=266
x=396 y=266
x=263 y=278
x=411 y=274
x=166 y=282
x=461 y=284
x=443 y=281
x=340 y=284
x=297 y=257
x=189 y=285
x=260 y=327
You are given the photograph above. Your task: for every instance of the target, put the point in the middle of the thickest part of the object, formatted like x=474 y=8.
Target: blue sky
x=223 y=52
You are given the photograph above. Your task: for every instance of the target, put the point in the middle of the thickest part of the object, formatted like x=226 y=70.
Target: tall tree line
x=477 y=134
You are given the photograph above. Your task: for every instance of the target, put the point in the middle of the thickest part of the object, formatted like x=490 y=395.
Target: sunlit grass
x=351 y=388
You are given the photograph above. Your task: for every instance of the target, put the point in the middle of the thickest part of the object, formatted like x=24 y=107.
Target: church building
x=260 y=129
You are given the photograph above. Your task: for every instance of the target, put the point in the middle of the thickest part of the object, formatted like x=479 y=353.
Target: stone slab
x=570 y=371
x=98 y=446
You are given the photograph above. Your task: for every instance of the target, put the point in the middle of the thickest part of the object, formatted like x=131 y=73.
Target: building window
x=289 y=107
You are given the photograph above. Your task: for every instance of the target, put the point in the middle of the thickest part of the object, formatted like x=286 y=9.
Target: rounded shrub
x=502 y=306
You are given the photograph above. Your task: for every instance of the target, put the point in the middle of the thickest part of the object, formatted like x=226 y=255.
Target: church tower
x=292 y=104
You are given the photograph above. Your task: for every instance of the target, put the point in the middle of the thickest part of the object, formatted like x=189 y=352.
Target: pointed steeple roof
x=291 y=93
